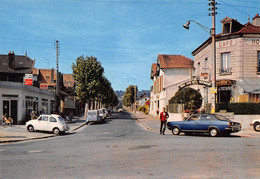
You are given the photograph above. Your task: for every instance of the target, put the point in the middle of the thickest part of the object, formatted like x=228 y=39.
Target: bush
x=239 y=108
x=144 y=109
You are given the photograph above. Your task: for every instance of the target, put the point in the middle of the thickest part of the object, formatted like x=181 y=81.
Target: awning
x=250 y=85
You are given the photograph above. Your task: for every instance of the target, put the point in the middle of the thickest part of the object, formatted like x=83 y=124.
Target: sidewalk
x=18 y=133
x=153 y=124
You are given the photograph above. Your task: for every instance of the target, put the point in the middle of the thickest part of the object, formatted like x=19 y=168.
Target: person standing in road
x=163 y=118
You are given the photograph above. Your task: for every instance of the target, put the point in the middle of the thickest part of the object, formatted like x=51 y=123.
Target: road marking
x=2 y=150
x=34 y=151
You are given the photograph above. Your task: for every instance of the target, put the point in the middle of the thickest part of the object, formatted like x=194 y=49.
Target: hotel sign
x=195 y=82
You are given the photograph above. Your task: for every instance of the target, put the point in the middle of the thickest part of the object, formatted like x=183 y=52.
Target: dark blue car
x=212 y=124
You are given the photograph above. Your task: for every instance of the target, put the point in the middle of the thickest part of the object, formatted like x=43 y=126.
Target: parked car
x=120 y=110
x=212 y=124
x=92 y=117
x=102 y=114
x=105 y=111
x=51 y=123
x=256 y=124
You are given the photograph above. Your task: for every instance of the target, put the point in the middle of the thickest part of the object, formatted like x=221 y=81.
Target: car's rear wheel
x=213 y=132
x=56 y=131
x=257 y=127
x=176 y=130
x=30 y=128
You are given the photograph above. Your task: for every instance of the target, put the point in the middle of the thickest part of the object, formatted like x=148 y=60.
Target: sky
x=126 y=36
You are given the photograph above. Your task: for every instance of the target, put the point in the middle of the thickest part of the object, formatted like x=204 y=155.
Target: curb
x=143 y=124
x=37 y=138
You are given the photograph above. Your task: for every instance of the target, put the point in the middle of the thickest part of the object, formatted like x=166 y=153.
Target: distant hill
x=120 y=93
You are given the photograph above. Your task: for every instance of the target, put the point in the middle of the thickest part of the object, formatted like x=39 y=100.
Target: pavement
x=18 y=133
x=152 y=124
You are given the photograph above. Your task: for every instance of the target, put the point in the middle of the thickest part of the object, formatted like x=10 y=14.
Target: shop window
x=225 y=63
x=45 y=106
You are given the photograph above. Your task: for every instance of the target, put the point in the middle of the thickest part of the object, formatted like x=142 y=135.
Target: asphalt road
x=121 y=148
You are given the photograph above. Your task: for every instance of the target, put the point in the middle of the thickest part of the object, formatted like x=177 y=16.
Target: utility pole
x=57 y=75
x=135 y=99
x=213 y=36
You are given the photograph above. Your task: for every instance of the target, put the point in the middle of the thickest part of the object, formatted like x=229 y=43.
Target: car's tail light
x=229 y=124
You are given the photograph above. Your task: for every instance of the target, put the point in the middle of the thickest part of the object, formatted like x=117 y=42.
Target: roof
x=248 y=28
x=153 y=70
x=46 y=76
x=68 y=80
x=175 y=61
x=22 y=64
x=250 y=85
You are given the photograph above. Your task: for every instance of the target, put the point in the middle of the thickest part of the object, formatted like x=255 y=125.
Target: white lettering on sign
x=226 y=43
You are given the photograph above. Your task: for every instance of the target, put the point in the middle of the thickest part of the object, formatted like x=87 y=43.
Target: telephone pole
x=213 y=36
x=57 y=75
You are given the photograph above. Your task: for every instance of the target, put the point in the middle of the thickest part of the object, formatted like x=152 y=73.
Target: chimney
x=11 y=58
x=256 y=20
x=25 y=53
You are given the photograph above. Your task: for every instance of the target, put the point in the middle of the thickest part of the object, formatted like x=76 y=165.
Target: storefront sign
x=28 y=82
x=28 y=79
x=226 y=43
x=43 y=86
x=195 y=82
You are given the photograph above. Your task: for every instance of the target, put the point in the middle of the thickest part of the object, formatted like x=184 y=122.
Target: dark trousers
x=162 y=127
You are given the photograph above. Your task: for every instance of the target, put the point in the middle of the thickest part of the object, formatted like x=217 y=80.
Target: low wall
x=245 y=120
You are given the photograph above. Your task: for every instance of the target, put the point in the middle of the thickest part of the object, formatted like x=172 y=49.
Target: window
x=52 y=119
x=258 y=61
x=47 y=77
x=225 y=63
x=226 y=28
x=205 y=64
x=198 y=69
x=44 y=118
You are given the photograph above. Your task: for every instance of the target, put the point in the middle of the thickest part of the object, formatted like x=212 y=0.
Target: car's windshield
x=220 y=117
x=92 y=113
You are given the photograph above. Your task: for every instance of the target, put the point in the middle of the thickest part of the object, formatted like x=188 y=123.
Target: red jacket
x=163 y=117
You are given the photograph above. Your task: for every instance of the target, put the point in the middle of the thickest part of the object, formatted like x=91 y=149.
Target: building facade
x=237 y=62
x=168 y=74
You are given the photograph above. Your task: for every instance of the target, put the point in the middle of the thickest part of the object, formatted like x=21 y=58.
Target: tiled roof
x=249 y=29
x=175 y=61
x=22 y=64
x=46 y=76
x=68 y=80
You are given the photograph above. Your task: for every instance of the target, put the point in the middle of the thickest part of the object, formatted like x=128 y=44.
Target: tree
x=87 y=72
x=128 y=98
x=190 y=97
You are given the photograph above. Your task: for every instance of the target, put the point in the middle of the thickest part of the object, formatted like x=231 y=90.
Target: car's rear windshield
x=220 y=117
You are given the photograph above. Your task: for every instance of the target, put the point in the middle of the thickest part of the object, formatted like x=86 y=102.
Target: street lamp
x=212 y=33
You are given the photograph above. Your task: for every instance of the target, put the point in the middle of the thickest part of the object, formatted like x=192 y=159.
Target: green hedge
x=239 y=108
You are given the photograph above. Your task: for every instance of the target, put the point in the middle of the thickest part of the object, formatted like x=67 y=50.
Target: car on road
x=92 y=117
x=120 y=110
x=256 y=124
x=212 y=124
x=102 y=114
x=51 y=123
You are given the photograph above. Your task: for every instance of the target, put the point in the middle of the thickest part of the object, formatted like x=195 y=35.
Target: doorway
x=10 y=109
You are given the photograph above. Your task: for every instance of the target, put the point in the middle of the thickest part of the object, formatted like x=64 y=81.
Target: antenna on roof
x=248 y=15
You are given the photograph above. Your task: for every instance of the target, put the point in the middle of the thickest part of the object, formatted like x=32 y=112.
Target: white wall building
x=168 y=74
x=17 y=100
x=237 y=62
